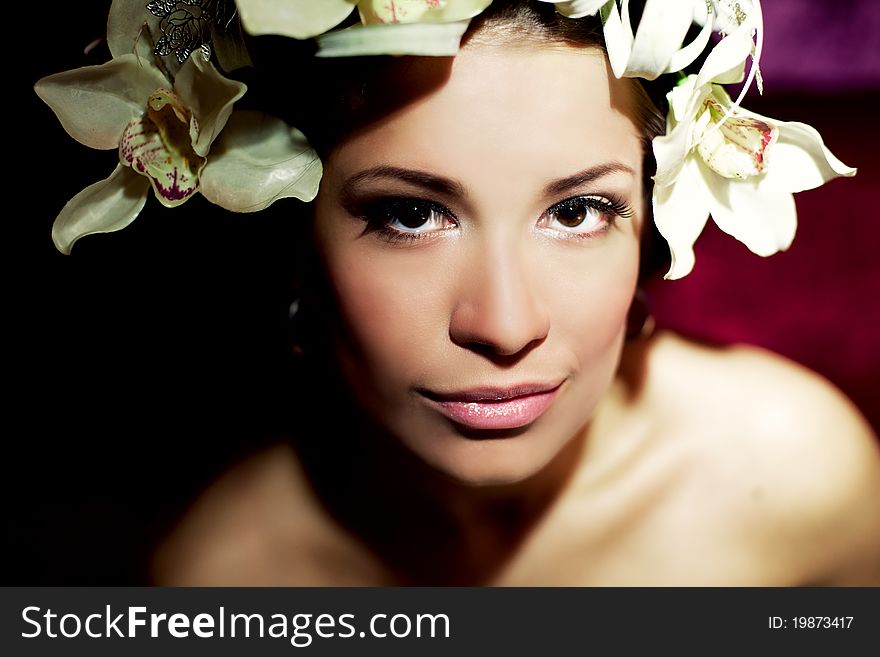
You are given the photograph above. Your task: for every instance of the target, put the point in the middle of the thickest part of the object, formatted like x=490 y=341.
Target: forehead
x=529 y=110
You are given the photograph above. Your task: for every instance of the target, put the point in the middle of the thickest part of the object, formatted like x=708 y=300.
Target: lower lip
x=507 y=414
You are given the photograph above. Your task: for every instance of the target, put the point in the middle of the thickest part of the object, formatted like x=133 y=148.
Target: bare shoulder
x=259 y=524
x=799 y=464
x=224 y=528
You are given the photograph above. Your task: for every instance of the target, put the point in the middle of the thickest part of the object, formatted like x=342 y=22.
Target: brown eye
x=410 y=214
x=570 y=215
x=406 y=217
x=580 y=216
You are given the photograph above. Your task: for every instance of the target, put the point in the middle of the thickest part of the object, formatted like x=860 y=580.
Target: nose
x=499 y=311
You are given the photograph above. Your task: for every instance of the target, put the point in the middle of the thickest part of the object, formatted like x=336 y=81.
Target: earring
x=639 y=321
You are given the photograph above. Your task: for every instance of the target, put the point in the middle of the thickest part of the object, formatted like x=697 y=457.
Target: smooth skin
x=660 y=462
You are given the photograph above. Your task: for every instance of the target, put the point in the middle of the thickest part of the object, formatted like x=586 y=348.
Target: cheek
x=393 y=311
x=596 y=311
x=589 y=304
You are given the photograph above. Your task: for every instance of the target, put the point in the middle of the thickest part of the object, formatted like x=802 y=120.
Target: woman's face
x=483 y=244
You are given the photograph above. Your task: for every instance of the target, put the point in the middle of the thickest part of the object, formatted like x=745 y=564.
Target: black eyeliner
x=375 y=213
x=609 y=203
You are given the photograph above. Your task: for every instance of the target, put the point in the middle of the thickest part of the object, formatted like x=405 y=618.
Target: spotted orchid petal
x=209 y=96
x=159 y=147
x=94 y=103
x=689 y=123
x=300 y=19
x=377 y=12
x=799 y=160
x=737 y=147
x=256 y=161
x=791 y=156
x=578 y=8
x=680 y=213
x=429 y=39
x=104 y=207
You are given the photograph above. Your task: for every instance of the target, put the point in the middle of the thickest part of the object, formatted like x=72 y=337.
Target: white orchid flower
x=393 y=27
x=174 y=29
x=578 y=8
x=657 y=45
x=742 y=168
x=163 y=132
x=256 y=161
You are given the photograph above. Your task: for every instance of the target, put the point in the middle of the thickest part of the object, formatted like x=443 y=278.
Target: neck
x=430 y=528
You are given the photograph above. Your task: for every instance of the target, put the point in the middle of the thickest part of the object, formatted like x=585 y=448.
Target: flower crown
x=164 y=106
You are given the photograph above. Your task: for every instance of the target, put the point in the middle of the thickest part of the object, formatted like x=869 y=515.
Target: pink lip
x=496 y=408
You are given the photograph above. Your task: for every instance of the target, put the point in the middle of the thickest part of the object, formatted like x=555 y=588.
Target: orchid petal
x=125 y=29
x=209 y=95
x=229 y=47
x=618 y=35
x=735 y=148
x=379 y=12
x=726 y=61
x=300 y=19
x=686 y=55
x=431 y=39
x=579 y=8
x=258 y=160
x=158 y=146
x=94 y=103
x=131 y=27
x=680 y=213
x=799 y=160
x=106 y=206
x=681 y=98
x=662 y=29
x=727 y=16
x=670 y=151
x=764 y=220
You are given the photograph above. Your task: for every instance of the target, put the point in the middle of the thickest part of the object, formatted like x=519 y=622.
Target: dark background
x=143 y=363
x=151 y=358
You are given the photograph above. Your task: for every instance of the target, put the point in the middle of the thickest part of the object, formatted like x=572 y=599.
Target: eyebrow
x=585 y=176
x=451 y=187
x=423 y=179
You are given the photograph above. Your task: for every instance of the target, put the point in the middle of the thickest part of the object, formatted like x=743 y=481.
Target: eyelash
x=610 y=207
x=378 y=215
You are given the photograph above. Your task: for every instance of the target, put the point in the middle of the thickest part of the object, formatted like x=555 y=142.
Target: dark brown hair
x=331 y=98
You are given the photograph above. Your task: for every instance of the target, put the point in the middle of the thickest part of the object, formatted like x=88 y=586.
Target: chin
x=491 y=458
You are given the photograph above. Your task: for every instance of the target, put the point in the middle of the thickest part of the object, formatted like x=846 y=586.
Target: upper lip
x=491 y=393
